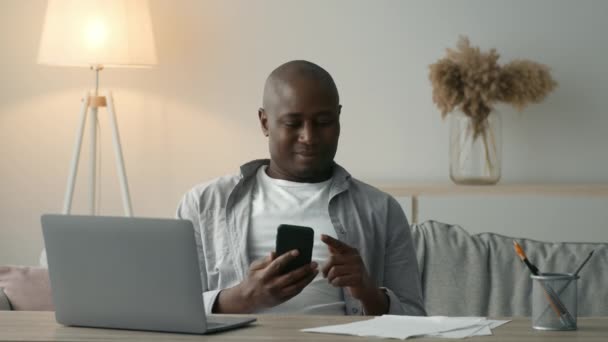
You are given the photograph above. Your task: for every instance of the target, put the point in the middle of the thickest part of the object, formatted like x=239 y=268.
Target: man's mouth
x=308 y=154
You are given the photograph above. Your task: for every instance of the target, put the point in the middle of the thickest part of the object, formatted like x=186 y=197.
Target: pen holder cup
x=554 y=299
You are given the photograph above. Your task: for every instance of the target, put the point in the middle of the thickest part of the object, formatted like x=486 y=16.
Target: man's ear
x=263 y=121
x=339 y=109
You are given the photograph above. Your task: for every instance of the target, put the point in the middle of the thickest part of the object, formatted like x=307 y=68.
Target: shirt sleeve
x=188 y=209
x=401 y=275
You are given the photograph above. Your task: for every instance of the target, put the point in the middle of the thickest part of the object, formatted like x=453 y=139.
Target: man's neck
x=273 y=172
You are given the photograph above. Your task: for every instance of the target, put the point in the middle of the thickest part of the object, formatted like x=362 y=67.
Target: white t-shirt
x=276 y=202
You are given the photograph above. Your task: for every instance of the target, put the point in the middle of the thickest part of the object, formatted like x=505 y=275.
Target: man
x=363 y=260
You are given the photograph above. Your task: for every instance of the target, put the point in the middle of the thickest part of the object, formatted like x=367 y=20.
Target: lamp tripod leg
x=67 y=202
x=122 y=176
x=93 y=160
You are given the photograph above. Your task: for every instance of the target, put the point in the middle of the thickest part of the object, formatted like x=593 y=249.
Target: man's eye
x=291 y=123
x=325 y=122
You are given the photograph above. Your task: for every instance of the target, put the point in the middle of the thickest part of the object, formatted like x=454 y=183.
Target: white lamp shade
x=113 y=33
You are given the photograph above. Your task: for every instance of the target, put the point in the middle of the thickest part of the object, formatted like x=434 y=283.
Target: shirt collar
x=341 y=177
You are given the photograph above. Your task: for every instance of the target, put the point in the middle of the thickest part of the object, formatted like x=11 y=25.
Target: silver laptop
x=128 y=273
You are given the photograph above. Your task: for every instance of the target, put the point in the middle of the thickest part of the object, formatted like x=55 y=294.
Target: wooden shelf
x=416 y=190
x=447 y=189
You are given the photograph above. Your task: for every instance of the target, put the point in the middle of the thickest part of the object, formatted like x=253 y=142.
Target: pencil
x=576 y=272
x=556 y=304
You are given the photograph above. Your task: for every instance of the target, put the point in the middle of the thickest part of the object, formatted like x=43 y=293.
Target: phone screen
x=291 y=237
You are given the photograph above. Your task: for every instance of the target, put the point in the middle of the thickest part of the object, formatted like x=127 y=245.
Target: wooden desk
x=41 y=326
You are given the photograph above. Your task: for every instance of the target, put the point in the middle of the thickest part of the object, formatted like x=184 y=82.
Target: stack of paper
x=402 y=327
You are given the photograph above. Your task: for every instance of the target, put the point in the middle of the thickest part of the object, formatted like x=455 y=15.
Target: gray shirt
x=364 y=217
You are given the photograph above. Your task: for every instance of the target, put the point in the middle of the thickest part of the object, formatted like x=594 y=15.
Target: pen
x=554 y=301
x=583 y=263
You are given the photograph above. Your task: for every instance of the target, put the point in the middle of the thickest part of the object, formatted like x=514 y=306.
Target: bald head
x=282 y=80
x=301 y=118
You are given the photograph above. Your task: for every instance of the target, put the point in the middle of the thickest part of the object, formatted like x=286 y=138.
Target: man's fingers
x=346 y=280
x=292 y=290
x=275 y=267
x=335 y=260
x=261 y=263
x=335 y=245
x=295 y=275
x=342 y=270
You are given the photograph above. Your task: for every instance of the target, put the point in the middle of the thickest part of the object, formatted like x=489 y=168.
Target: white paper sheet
x=402 y=327
x=484 y=328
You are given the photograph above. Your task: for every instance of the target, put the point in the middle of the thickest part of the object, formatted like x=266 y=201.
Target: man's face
x=303 y=128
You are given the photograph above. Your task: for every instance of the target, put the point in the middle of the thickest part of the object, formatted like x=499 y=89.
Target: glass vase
x=475 y=159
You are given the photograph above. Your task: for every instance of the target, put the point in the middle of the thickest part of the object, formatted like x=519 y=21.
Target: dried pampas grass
x=472 y=81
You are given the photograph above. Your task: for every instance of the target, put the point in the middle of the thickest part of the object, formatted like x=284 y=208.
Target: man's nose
x=307 y=133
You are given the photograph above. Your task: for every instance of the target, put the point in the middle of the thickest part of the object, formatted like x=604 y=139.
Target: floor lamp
x=91 y=102
x=96 y=34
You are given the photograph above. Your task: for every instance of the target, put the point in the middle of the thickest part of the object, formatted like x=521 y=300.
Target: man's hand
x=265 y=286
x=345 y=268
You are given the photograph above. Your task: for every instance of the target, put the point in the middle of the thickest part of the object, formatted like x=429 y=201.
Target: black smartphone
x=295 y=237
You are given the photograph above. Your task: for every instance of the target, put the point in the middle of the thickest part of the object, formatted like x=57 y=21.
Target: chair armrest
x=4 y=303
x=26 y=288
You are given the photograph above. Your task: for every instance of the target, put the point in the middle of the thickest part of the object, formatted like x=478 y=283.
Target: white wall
x=194 y=116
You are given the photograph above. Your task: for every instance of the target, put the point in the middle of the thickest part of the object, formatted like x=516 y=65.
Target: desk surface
x=41 y=326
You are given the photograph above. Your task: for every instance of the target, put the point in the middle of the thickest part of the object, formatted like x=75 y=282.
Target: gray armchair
x=25 y=288
x=4 y=303
x=480 y=274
